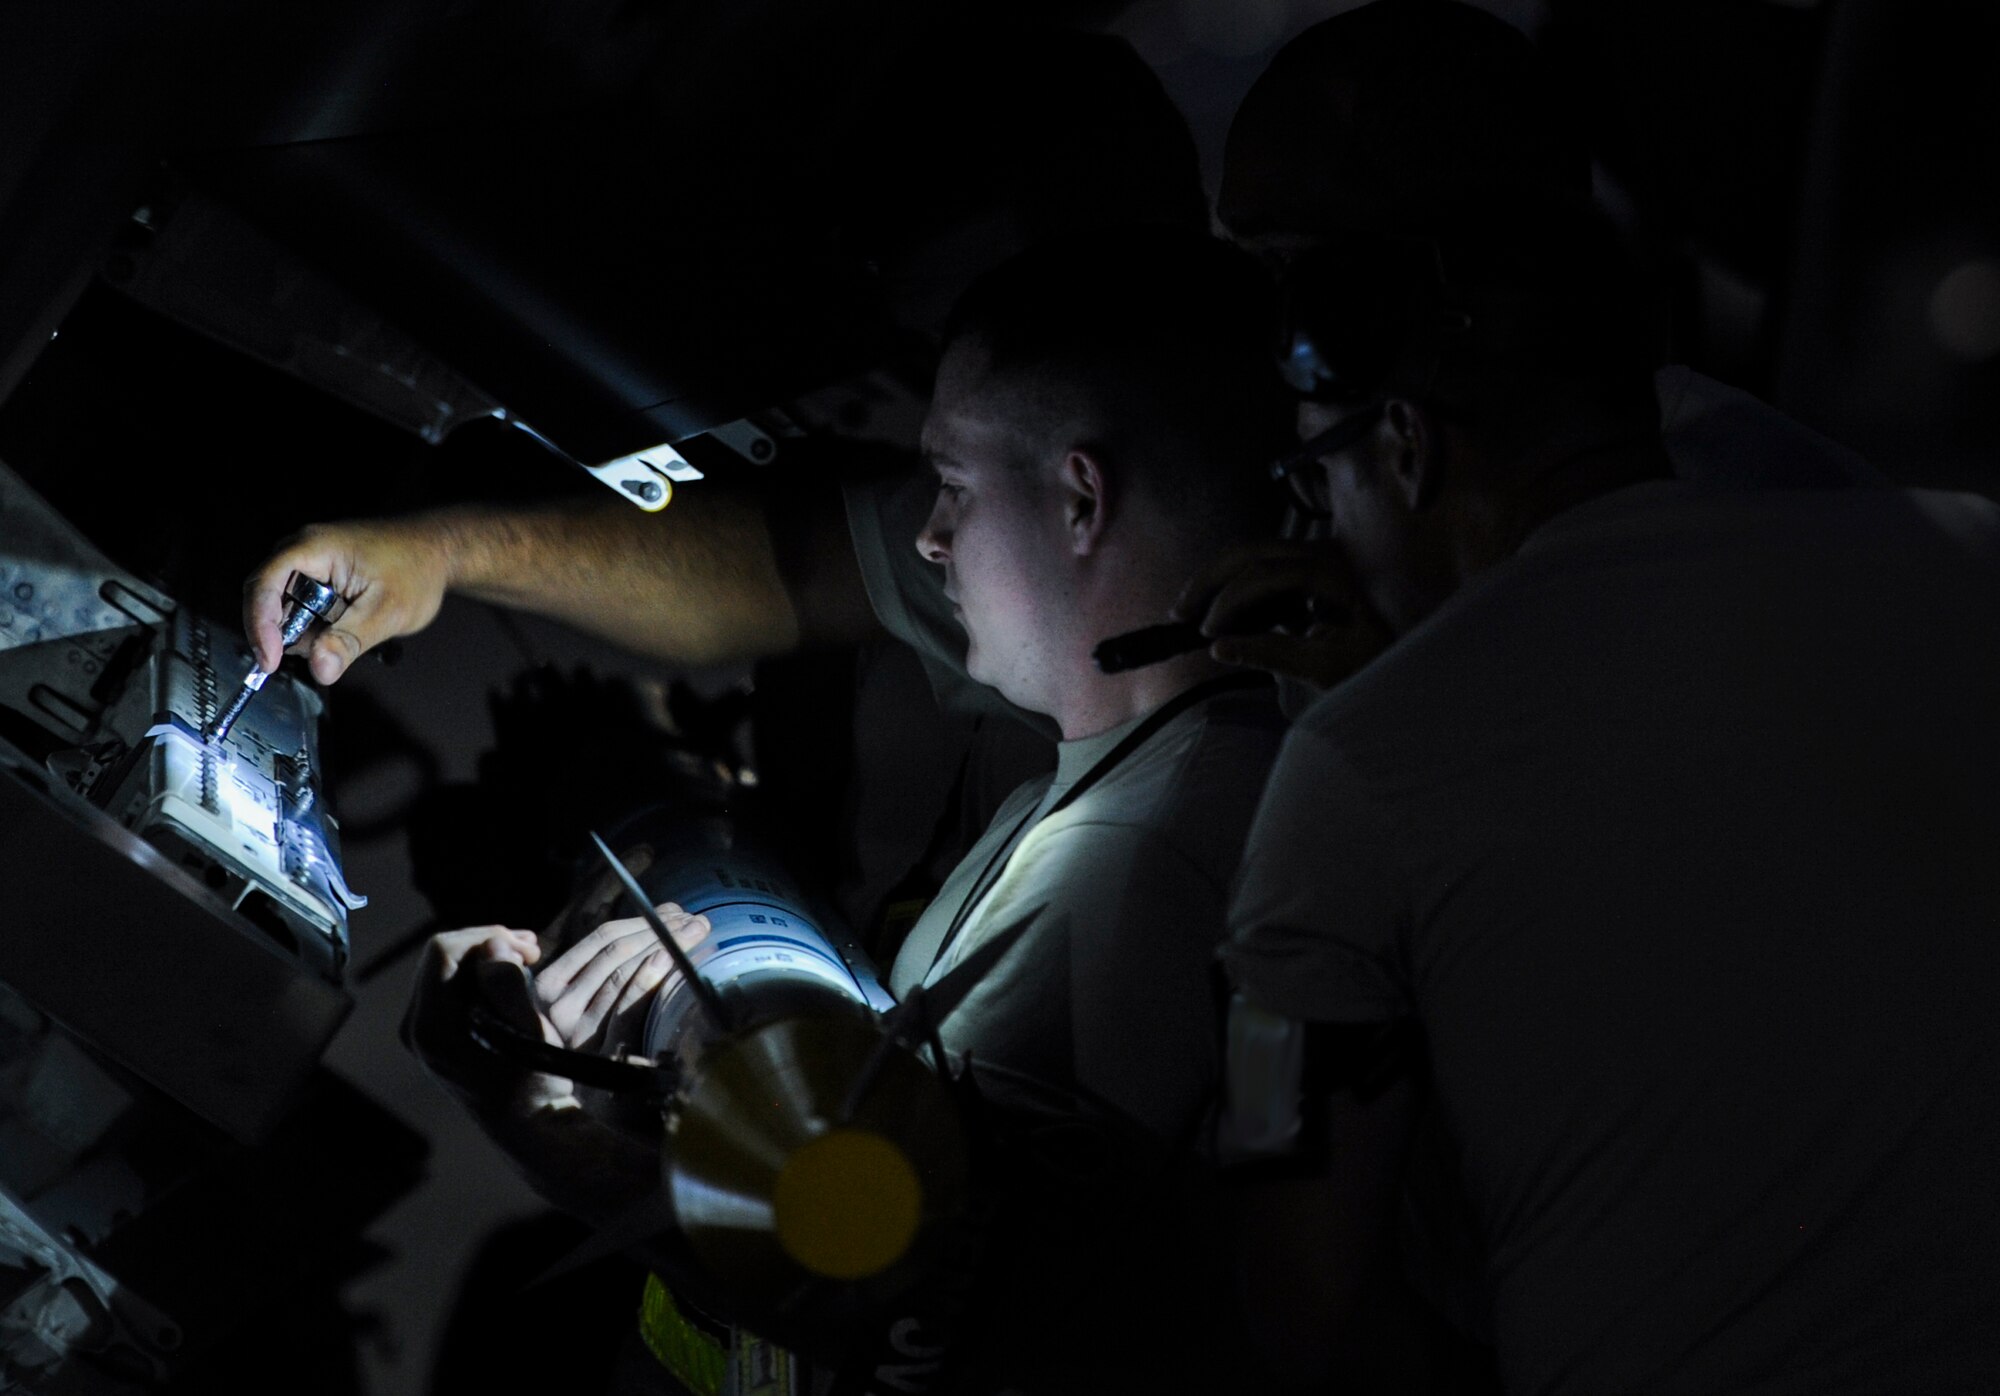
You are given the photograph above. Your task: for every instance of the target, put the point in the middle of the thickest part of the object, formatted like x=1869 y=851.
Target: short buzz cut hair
x=1158 y=344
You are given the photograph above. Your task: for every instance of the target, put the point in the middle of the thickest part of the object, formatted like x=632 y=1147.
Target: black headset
x=1506 y=275
x=1361 y=310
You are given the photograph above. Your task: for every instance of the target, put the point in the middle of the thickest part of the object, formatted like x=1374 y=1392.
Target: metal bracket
x=748 y=440
x=647 y=477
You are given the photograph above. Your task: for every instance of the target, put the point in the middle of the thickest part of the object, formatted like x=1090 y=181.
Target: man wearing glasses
x=1361 y=128
x=1650 y=864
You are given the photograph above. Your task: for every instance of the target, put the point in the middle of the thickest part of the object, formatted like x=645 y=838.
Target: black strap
x=1104 y=766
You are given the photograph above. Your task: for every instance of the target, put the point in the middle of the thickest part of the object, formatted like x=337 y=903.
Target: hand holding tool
x=306 y=601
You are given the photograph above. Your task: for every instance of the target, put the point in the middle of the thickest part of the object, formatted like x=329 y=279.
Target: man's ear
x=1416 y=462
x=1086 y=487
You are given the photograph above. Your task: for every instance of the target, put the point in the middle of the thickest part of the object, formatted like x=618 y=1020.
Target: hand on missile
x=393 y=573
x=485 y=965
x=597 y=992
x=1291 y=607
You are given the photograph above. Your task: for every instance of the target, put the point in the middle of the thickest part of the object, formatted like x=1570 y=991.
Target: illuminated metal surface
x=131 y=952
x=308 y=601
x=765 y=955
x=246 y=805
x=120 y=685
x=646 y=477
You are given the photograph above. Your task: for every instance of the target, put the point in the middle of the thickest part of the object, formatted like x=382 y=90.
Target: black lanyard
x=1105 y=764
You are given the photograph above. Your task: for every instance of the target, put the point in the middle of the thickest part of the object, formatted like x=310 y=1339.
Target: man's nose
x=934 y=539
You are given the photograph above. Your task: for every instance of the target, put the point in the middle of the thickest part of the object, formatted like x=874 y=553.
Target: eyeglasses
x=1298 y=469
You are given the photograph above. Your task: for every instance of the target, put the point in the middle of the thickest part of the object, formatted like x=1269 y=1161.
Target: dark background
x=1816 y=181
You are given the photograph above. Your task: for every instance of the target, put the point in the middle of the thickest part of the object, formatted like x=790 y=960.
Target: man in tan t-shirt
x=1093 y=440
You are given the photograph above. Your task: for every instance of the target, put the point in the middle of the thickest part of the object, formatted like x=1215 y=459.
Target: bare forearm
x=695 y=584
x=716 y=578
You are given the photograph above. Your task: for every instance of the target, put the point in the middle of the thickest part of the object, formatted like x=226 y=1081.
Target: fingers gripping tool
x=306 y=601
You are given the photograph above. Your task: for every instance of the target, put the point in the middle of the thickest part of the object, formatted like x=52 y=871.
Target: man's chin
x=1008 y=683
x=993 y=678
